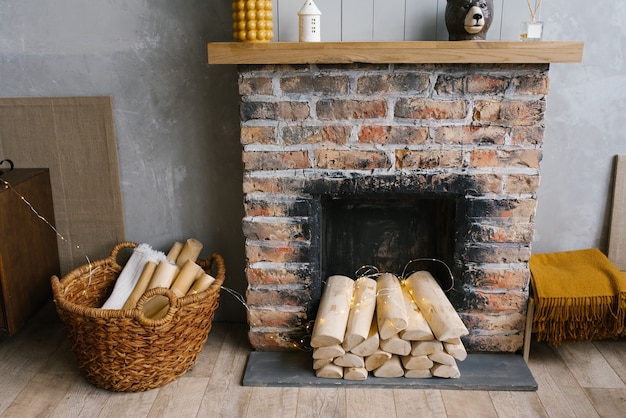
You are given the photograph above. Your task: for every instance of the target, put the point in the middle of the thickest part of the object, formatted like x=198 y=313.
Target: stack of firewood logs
x=387 y=327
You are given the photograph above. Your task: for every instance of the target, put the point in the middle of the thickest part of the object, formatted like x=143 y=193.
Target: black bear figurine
x=468 y=20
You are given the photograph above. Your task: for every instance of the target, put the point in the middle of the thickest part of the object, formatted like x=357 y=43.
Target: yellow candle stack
x=252 y=20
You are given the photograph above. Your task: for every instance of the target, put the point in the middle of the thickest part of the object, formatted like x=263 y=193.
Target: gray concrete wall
x=177 y=118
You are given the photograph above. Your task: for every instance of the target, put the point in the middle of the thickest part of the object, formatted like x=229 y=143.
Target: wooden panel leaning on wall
x=75 y=138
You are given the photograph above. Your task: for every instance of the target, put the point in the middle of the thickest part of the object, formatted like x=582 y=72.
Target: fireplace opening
x=388 y=232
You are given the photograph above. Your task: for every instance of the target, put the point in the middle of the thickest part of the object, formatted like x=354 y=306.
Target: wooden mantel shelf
x=414 y=52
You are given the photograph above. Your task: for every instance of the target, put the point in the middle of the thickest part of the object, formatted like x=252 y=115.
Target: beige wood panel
x=419 y=403
x=434 y=52
x=617 y=234
x=75 y=138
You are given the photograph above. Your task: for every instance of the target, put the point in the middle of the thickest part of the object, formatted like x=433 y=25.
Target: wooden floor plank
x=615 y=354
x=81 y=400
x=180 y=398
x=360 y=403
x=134 y=404
x=415 y=403
x=225 y=396
x=468 y=403
x=39 y=376
x=40 y=397
x=589 y=366
x=282 y=400
x=517 y=404
x=608 y=402
x=321 y=402
x=559 y=392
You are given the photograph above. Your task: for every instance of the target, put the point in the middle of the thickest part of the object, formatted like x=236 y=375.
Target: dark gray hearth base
x=497 y=372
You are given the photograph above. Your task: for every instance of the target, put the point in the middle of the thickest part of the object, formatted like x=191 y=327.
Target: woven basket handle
x=119 y=247
x=171 y=312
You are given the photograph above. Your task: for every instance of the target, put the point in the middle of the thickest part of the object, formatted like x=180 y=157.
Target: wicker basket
x=122 y=350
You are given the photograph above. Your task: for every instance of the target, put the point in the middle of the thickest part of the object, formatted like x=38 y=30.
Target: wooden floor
x=39 y=378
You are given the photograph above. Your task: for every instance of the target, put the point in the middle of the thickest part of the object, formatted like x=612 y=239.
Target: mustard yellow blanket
x=579 y=296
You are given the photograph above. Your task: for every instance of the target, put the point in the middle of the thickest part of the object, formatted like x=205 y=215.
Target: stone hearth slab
x=496 y=372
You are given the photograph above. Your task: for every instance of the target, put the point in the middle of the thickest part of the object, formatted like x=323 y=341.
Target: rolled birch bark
x=417 y=329
x=417 y=374
x=434 y=304
x=349 y=360
x=201 y=283
x=390 y=308
x=443 y=370
x=391 y=368
x=329 y=352
x=361 y=312
x=354 y=373
x=330 y=371
x=417 y=362
x=455 y=350
x=371 y=343
x=424 y=348
x=396 y=345
x=163 y=276
x=174 y=252
x=190 y=251
x=180 y=287
x=141 y=286
x=377 y=359
x=333 y=312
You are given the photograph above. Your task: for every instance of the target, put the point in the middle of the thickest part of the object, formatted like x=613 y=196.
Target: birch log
x=377 y=359
x=442 y=358
x=349 y=360
x=417 y=329
x=396 y=345
x=354 y=373
x=390 y=308
x=424 y=348
x=361 y=312
x=333 y=312
x=434 y=304
x=391 y=368
x=319 y=363
x=417 y=362
x=330 y=371
x=443 y=370
x=371 y=343
x=456 y=350
x=417 y=374
x=329 y=352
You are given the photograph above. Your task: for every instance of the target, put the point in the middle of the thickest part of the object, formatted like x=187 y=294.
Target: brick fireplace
x=464 y=139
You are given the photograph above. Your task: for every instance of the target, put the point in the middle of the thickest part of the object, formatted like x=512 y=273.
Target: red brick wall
x=472 y=131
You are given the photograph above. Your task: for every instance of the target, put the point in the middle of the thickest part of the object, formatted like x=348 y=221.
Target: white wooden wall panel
x=392 y=20
x=357 y=21
x=331 y=19
x=421 y=20
x=389 y=20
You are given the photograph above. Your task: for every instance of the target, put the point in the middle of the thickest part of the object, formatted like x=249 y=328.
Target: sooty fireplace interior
x=361 y=164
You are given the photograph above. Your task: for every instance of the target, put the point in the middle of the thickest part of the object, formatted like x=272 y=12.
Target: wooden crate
x=28 y=248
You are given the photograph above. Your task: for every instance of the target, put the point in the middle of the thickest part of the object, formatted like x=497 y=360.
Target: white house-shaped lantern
x=309 y=22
